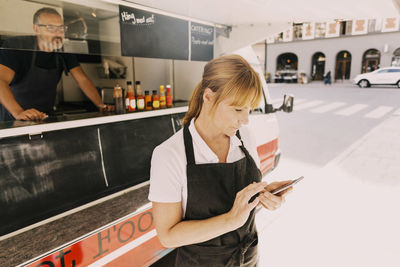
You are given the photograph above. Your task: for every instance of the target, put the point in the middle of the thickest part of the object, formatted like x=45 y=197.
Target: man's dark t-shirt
x=17 y=54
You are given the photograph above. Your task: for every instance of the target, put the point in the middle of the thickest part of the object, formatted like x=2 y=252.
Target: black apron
x=212 y=190
x=36 y=90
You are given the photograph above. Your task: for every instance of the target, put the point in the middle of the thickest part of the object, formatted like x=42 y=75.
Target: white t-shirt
x=168 y=180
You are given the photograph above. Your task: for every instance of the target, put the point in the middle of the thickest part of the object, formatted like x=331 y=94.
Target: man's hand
x=31 y=115
x=105 y=108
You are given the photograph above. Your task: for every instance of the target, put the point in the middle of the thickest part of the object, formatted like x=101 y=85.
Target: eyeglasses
x=54 y=28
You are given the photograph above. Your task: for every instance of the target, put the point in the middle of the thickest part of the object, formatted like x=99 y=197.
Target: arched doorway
x=343 y=64
x=396 y=58
x=371 y=60
x=318 y=66
x=286 y=68
x=287 y=61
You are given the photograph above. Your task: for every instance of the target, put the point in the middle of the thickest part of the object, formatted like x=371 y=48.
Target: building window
x=346 y=27
x=279 y=37
x=320 y=30
x=374 y=25
x=297 y=31
x=318 y=66
x=378 y=25
x=371 y=60
x=343 y=65
x=371 y=25
x=396 y=58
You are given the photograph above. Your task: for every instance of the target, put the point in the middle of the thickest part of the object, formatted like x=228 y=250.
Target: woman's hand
x=241 y=208
x=273 y=202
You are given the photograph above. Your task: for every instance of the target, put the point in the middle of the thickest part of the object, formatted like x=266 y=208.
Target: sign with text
x=201 y=41
x=332 y=29
x=131 y=241
x=288 y=35
x=308 y=31
x=148 y=34
x=360 y=26
x=390 y=25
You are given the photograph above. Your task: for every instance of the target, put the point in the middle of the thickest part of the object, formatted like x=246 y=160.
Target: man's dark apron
x=212 y=190
x=36 y=90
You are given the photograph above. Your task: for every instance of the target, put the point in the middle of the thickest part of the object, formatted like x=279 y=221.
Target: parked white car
x=383 y=76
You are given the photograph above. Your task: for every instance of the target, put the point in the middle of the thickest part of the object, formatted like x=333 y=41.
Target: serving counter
x=62 y=179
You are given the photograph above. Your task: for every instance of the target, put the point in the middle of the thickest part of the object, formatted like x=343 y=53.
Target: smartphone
x=280 y=189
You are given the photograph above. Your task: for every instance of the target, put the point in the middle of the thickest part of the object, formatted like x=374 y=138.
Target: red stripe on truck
x=266 y=153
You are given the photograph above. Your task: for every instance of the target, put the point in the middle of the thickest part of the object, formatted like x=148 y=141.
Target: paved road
x=328 y=119
x=346 y=212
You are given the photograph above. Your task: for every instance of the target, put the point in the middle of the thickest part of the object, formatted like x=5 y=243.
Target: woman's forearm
x=196 y=231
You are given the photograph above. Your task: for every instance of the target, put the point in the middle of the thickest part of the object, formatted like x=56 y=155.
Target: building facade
x=345 y=53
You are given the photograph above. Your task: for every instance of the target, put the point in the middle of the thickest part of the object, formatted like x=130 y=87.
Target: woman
x=203 y=178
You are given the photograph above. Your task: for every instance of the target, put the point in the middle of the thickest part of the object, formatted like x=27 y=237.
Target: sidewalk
x=346 y=214
x=319 y=84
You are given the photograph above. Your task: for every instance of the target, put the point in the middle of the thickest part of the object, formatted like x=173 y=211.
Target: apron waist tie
x=238 y=255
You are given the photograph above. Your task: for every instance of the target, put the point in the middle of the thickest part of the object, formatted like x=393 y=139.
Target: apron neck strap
x=33 y=62
x=240 y=138
x=187 y=138
x=188 y=141
x=242 y=146
x=59 y=67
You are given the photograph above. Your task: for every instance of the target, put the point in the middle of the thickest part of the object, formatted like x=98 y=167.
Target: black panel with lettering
x=48 y=174
x=148 y=34
x=202 y=42
x=178 y=120
x=41 y=177
x=129 y=146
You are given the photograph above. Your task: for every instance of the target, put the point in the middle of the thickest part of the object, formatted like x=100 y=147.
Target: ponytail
x=195 y=104
x=227 y=76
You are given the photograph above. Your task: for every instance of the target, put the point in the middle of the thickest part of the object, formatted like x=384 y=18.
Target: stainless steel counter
x=16 y=128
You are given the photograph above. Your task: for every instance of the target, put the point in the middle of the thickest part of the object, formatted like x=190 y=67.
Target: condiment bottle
x=139 y=97
x=163 y=100
x=156 y=100
x=147 y=100
x=169 y=96
x=130 y=101
x=118 y=100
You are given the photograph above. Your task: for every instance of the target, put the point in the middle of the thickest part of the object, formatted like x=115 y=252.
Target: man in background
x=31 y=67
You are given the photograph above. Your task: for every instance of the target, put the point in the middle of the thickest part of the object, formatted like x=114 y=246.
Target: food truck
x=73 y=187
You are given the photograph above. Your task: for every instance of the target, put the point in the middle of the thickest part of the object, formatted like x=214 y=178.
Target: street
x=344 y=140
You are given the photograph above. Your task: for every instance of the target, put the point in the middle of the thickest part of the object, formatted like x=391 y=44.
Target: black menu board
x=148 y=34
x=202 y=42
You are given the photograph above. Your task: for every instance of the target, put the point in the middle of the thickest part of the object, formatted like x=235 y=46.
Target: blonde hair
x=227 y=76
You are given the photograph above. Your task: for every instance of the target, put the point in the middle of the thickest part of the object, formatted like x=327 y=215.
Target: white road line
x=351 y=110
x=280 y=101
x=122 y=250
x=379 y=112
x=397 y=112
x=328 y=107
x=300 y=100
x=308 y=105
x=276 y=101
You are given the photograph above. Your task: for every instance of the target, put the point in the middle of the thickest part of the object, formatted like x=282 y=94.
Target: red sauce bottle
x=140 y=104
x=169 y=96
x=163 y=99
x=147 y=100
x=130 y=100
